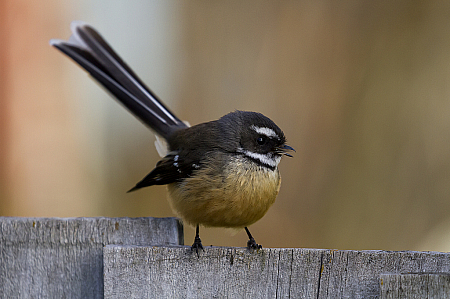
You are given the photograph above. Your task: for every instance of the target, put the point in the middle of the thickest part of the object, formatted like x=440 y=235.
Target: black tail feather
x=87 y=48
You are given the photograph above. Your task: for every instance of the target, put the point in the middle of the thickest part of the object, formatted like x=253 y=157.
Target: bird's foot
x=252 y=245
x=197 y=246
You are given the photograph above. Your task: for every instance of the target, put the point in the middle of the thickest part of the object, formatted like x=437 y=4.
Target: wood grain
x=174 y=272
x=63 y=258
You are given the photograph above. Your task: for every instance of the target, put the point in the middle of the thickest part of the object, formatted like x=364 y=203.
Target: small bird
x=222 y=173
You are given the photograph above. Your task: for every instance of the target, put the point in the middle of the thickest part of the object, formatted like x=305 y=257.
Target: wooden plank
x=175 y=272
x=63 y=258
x=421 y=285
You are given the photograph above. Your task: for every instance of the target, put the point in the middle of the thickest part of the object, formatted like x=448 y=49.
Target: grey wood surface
x=63 y=257
x=414 y=286
x=175 y=272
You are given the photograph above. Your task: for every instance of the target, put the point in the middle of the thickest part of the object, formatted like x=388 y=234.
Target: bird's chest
x=236 y=196
x=251 y=186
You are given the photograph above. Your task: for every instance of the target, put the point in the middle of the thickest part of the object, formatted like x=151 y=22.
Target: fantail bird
x=222 y=173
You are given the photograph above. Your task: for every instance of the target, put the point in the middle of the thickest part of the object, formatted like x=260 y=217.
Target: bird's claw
x=197 y=246
x=252 y=245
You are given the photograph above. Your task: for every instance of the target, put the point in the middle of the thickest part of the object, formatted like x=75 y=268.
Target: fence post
x=63 y=258
x=141 y=257
x=220 y=272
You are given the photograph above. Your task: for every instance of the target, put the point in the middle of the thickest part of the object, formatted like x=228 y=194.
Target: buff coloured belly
x=238 y=198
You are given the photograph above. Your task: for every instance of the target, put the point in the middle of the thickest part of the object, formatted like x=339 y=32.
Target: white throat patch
x=268 y=159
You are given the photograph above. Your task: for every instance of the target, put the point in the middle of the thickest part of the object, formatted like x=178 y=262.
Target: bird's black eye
x=261 y=140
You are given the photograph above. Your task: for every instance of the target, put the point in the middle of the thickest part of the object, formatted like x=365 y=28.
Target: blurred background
x=360 y=88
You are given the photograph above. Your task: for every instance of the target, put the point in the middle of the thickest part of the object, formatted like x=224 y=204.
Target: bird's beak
x=284 y=148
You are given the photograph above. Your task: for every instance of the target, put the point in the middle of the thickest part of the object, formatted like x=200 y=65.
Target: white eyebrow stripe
x=267 y=159
x=264 y=131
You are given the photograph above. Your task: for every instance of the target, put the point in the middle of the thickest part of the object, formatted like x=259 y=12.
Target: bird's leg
x=197 y=242
x=251 y=244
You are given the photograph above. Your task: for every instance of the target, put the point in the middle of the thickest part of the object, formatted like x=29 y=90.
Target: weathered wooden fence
x=142 y=258
x=63 y=258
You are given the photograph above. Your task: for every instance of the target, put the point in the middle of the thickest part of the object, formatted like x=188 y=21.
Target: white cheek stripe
x=265 y=159
x=264 y=131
